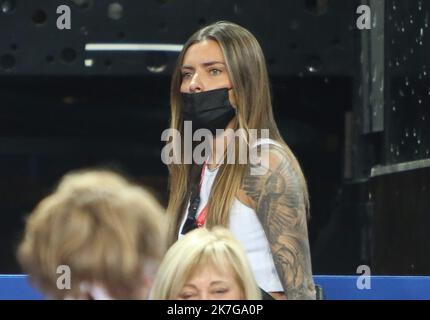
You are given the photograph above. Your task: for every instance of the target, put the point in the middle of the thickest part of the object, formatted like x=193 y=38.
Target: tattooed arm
x=278 y=200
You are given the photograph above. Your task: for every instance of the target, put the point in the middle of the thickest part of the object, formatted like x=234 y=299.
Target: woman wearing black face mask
x=221 y=82
x=208 y=109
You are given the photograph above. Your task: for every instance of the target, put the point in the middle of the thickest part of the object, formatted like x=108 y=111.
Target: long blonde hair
x=198 y=250
x=248 y=74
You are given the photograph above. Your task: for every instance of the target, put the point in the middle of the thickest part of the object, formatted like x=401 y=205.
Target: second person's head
x=205 y=265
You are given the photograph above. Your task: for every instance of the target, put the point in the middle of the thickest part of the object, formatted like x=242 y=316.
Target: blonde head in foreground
x=204 y=265
x=109 y=232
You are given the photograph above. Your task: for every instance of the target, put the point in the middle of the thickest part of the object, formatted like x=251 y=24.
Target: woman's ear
x=232 y=97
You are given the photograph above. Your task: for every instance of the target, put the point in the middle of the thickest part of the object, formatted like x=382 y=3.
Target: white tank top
x=246 y=227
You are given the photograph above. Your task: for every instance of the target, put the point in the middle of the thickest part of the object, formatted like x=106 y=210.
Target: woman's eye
x=186 y=296
x=186 y=75
x=215 y=72
x=221 y=291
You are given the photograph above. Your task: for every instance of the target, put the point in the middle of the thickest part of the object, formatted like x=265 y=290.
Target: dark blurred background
x=354 y=105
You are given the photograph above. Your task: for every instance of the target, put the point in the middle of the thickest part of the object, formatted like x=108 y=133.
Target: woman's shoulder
x=272 y=169
x=268 y=154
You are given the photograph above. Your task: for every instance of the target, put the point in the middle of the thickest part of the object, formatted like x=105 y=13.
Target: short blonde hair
x=198 y=249
x=101 y=226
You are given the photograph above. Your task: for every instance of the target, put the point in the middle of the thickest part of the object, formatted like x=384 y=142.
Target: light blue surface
x=16 y=287
x=381 y=288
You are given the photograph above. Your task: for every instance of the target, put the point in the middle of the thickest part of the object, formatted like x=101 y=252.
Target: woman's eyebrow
x=218 y=282
x=207 y=64
x=187 y=68
x=204 y=64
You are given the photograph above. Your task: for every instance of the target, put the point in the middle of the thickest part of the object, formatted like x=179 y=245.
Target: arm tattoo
x=280 y=206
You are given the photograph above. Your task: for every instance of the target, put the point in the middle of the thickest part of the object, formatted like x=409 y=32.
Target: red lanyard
x=201 y=217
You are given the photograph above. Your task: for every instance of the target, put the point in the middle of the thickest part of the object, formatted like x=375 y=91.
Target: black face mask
x=208 y=110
